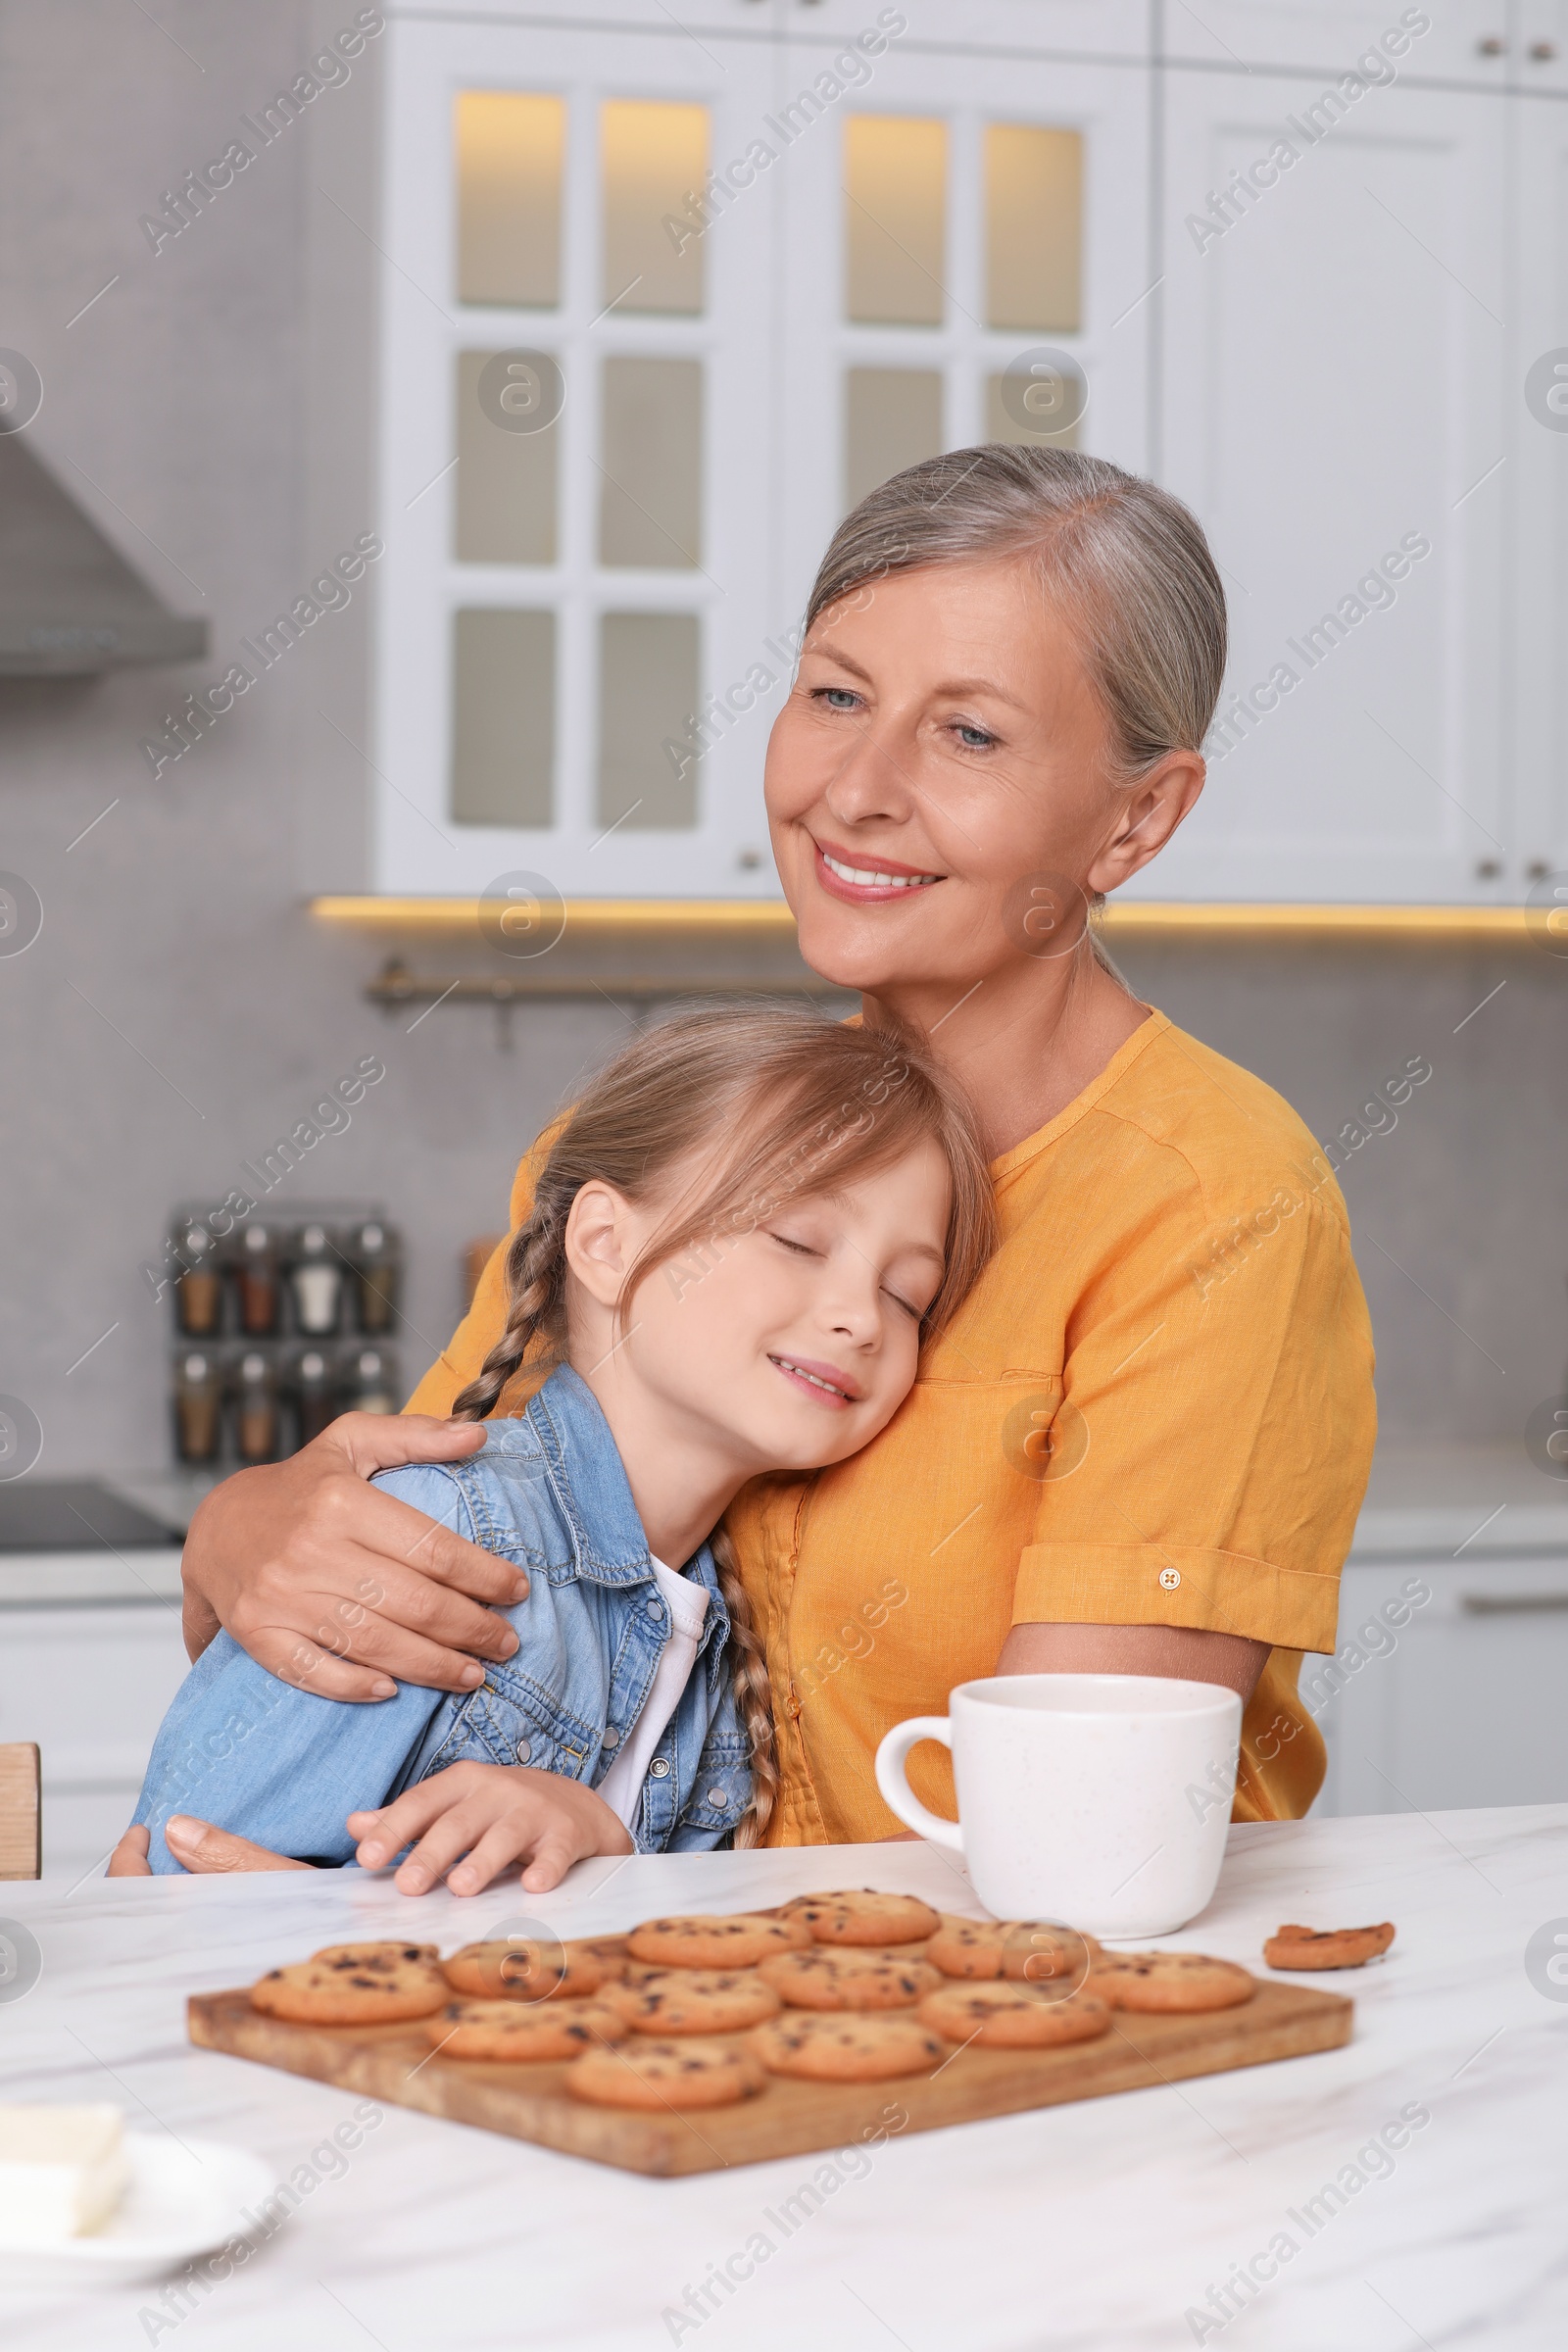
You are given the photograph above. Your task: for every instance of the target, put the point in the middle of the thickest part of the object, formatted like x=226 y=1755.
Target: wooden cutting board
x=393 y=2063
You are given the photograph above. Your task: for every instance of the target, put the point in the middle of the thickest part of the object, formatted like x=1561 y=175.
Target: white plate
x=180 y=2201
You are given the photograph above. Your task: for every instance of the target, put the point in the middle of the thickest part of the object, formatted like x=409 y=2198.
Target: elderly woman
x=1142 y=1446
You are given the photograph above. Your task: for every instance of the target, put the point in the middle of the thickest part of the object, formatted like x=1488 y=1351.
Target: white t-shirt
x=622 y=1785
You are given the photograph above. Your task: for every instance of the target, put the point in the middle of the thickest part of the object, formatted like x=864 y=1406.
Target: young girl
x=743 y=1232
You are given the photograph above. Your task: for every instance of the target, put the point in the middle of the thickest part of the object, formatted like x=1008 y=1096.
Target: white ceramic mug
x=1099 y=1799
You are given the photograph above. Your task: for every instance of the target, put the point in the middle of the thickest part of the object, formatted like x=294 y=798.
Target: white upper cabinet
x=655 y=311
x=1471 y=41
x=570 y=460
x=1336 y=376
x=1538 y=489
x=662 y=295
x=1539 y=47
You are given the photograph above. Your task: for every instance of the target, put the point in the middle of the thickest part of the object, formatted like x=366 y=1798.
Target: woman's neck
x=1025 y=1042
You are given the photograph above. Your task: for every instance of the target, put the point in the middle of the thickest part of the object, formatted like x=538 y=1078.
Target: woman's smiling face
x=942 y=750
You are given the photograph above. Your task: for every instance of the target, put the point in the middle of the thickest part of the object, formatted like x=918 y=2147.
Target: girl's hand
x=199 y=1847
x=491 y=1814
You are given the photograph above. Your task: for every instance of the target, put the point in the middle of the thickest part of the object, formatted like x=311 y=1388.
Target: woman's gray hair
x=1126 y=564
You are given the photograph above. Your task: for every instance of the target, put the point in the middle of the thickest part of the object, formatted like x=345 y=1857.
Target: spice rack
x=280 y=1323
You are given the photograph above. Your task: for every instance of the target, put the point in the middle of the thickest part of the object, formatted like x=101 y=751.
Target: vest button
x=658 y=1769
x=611 y=1735
x=715 y=1797
x=525 y=1750
x=656 y=1610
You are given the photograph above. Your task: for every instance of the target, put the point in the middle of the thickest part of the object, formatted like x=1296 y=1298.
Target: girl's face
x=789 y=1346
x=941 y=755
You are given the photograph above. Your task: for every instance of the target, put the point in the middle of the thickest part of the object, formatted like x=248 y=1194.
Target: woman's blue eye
x=839 y=698
x=974 y=739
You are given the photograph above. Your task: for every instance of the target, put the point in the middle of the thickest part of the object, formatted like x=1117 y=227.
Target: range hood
x=69 y=604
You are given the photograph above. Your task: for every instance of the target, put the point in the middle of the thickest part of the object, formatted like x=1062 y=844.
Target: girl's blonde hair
x=791 y=1104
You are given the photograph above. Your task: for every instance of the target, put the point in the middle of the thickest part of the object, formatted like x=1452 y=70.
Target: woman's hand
x=336 y=1586
x=199 y=1847
x=493 y=1814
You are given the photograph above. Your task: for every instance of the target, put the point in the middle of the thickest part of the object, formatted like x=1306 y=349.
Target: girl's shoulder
x=500 y=1499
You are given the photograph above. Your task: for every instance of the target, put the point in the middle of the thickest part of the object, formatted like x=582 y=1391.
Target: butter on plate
x=63 y=2171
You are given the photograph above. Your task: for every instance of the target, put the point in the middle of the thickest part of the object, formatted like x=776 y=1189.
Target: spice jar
x=198 y=1398
x=256 y=1276
x=198 y=1288
x=315 y=1393
x=377 y=1263
x=315 y=1280
x=374 y=1383
x=256 y=1410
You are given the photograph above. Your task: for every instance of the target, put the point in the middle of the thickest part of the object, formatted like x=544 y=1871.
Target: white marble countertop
x=1102 y=2225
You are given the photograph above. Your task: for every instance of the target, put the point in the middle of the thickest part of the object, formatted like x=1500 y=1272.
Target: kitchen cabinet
x=874 y=377
x=1538 y=486
x=1472 y=42
x=746 y=264
x=1337 y=408
x=1447 y=1687
x=91 y=1658
x=738 y=280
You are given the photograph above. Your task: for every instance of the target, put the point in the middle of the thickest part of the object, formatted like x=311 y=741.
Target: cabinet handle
x=1510 y=1604
x=1542 y=52
x=1491 y=44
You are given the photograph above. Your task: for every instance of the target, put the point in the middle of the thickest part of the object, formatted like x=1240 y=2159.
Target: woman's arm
x=333 y=1585
x=319 y=1576
x=1181 y=1654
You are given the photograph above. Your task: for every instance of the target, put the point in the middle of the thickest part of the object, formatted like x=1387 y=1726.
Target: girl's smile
x=835 y=1389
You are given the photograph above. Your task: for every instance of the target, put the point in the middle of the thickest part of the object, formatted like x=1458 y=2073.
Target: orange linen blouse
x=1156 y=1408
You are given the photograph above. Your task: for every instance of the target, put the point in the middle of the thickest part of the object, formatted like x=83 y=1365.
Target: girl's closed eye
x=790 y=1241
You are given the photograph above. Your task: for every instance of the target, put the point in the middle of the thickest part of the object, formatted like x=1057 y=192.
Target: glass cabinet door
x=965 y=260
x=573 y=678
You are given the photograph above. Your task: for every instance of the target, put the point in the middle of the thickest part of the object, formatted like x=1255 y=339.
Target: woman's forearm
x=1178 y=1652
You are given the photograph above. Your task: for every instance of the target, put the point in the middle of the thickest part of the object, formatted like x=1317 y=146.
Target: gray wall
x=179 y=1010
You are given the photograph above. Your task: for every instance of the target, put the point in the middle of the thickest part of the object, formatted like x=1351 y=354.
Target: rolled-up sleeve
x=1194 y=1473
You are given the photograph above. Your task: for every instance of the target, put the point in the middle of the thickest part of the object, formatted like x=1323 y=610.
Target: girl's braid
x=536 y=1285
x=753 y=1694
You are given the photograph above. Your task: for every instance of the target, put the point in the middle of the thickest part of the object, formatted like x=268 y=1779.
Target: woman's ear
x=599 y=1242
x=1147 y=816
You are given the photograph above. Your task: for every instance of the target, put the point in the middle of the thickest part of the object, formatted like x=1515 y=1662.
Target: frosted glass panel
x=510 y=148
x=651 y=503
x=894 y=207
x=506 y=481
x=1048 y=396
x=503 y=717
x=1034 y=225
x=646 y=698
x=893 y=419
x=653 y=157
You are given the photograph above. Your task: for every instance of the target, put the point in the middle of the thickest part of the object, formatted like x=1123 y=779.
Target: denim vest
x=547 y=1491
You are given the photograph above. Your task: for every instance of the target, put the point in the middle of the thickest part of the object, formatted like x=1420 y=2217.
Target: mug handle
x=892 y=1780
